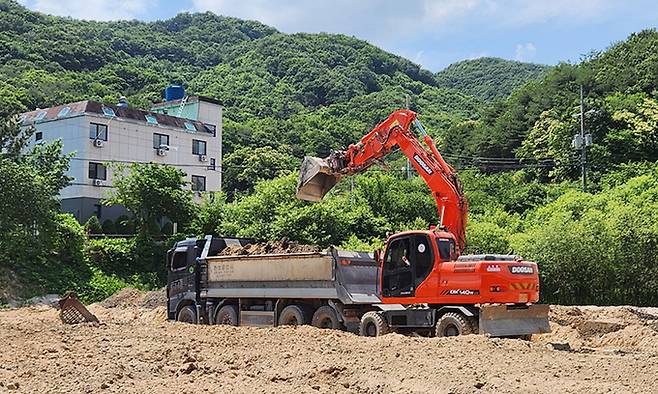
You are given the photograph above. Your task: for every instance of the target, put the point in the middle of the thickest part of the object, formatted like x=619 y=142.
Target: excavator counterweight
x=316 y=178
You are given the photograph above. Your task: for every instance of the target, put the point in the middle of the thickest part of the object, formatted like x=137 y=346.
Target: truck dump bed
x=350 y=277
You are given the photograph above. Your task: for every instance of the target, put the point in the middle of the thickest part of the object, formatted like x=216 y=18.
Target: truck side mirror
x=377 y=254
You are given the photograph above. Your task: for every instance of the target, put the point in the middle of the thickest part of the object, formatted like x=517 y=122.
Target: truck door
x=422 y=257
x=182 y=272
x=397 y=272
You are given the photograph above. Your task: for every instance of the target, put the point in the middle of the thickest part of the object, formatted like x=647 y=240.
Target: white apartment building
x=99 y=135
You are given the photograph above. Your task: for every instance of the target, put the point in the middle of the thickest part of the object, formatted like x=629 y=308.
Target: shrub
x=93 y=226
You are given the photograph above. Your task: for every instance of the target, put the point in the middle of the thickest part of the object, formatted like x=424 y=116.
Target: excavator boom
x=317 y=176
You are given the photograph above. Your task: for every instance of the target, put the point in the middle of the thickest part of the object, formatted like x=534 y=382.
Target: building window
x=107 y=111
x=97 y=131
x=40 y=116
x=160 y=140
x=38 y=136
x=63 y=112
x=198 y=183
x=151 y=119
x=212 y=129
x=212 y=165
x=190 y=126
x=97 y=171
x=198 y=147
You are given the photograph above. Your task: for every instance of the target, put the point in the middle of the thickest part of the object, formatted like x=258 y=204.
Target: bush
x=596 y=248
x=93 y=226
x=109 y=227
x=124 y=225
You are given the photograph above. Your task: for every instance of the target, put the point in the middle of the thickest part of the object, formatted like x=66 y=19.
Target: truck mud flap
x=512 y=320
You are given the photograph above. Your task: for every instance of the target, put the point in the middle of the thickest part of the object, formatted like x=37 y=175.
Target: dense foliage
x=489 y=78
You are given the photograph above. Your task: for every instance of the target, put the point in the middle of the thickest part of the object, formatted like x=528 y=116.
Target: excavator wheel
x=187 y=315
x=325 y=317
x=228 y=315
x=292 y=315
x=452 y=324
x=373 y=324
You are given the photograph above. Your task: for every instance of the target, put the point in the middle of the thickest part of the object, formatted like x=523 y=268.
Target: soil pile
x=283 y=246
x=621 y=328
x=136 y=350
x=131 y=298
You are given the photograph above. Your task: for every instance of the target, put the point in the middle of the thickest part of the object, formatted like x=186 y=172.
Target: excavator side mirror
x=378 y=255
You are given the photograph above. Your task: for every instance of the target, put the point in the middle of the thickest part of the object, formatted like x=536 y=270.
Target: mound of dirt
x=283 y=246
x=131 y=298
x=625 y=328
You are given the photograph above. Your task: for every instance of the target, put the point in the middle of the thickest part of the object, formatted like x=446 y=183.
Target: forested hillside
x=489 y=78
x=290 y=95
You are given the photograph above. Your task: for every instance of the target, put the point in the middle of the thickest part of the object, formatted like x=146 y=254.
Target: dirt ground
x=613 y=349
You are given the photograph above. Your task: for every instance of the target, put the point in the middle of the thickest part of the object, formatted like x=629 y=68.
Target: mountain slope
x=489 y=78
x=311 y=92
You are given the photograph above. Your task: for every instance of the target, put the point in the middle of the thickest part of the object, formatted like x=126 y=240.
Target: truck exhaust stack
x=316 y=178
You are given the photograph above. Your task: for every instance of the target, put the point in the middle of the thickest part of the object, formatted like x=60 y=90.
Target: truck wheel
x=292 y=315
x=373 y=324
x=325 y=317
x=187 y=315
x=452 y=324
x=228 y=315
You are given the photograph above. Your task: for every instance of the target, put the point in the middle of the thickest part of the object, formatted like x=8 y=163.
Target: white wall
x=128 y=141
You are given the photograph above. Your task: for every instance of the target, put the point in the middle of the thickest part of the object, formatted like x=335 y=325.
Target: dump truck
x=346 y=290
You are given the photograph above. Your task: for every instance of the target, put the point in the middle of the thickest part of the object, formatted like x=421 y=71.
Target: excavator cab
x=316 y=178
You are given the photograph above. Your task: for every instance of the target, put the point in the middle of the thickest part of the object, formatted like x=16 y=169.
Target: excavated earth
x=135 y=350
x=282 y=246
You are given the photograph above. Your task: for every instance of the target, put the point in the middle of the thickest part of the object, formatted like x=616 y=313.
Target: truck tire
x=452 y=324
x=373 y=324
x=227 y=315
x=325 y=317
x=187 y=315
x=292 y=315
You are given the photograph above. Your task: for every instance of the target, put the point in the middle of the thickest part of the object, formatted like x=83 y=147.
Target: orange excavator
x=424 y=282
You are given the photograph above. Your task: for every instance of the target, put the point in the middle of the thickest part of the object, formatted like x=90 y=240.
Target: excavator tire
x=325 y=317
x=373 y=324
x=227 y=315
x=292 y=315
x=452 y=324
x=187 y=315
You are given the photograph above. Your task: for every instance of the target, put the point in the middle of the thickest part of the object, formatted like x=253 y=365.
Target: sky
x=432 y=33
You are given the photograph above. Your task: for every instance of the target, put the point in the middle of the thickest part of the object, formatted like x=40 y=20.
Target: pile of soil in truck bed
x=282 y=246
x=135 y=350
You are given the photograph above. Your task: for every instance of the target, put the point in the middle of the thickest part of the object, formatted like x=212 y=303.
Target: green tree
x=152 y=192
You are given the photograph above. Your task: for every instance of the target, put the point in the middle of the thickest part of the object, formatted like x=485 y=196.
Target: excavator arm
x=318 y=176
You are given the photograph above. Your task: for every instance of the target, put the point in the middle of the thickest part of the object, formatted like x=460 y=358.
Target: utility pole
x=583 y=150
x=582 y=141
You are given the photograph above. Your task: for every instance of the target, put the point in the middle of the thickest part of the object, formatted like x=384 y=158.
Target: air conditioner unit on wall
x=203 y=158
x=98 y=182
x=99 y=143
x=162 y=152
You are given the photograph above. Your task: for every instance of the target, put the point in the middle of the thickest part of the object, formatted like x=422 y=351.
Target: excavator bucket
x=316 y=178
x=512 y=320
x=72 y=311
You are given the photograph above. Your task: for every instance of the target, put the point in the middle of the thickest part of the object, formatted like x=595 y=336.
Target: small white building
x=99 y=135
